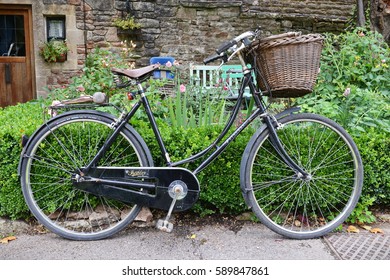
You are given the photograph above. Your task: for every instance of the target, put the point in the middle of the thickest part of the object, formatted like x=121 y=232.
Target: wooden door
x=16 y=55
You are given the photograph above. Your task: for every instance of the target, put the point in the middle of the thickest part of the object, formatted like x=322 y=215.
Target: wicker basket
x=288 y=62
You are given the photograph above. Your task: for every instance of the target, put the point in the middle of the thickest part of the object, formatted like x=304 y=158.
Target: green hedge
x=374 y=148
x=220 y=186
x=14 y=122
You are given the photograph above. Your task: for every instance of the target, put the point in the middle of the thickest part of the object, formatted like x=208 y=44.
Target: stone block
x=57 y=2
x=145 y=215
x=102 y=5
x=149 y=23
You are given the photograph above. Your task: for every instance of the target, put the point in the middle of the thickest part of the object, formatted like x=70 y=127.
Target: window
x=12 y=41
x=55 y=28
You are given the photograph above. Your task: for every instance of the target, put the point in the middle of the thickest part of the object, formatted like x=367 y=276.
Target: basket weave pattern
x=289 y=63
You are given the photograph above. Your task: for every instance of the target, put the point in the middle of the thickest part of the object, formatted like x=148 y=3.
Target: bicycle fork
x=300 y=172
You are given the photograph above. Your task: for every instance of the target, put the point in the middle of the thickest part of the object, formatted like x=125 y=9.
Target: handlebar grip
x=225 y=46
x=211 y=58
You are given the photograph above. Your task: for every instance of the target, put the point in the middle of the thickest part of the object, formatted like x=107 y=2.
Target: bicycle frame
x=260 y=111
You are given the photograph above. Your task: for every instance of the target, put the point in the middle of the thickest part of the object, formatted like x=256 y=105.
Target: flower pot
x=62 y=57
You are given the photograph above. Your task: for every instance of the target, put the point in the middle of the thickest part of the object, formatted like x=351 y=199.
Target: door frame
x=29 y=59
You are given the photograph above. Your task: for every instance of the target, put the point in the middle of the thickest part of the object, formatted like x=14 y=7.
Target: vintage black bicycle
x=86 y=174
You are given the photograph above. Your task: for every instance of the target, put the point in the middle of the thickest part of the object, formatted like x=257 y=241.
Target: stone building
x=188 y=30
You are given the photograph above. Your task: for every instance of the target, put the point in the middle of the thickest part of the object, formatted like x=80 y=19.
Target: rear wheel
x=60 y=150
x=303 y=207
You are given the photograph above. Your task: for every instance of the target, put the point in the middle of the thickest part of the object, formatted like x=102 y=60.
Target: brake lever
x=236 y=51
x=224 y=60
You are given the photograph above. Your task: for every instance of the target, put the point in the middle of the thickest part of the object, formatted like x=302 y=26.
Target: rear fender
x=69 y=114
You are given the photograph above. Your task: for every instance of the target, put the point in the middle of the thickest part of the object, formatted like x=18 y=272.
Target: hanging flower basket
x=127 y=26
x=54 y=51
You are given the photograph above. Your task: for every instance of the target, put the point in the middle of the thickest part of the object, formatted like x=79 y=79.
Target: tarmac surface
x=219 y=249
x=227 y=239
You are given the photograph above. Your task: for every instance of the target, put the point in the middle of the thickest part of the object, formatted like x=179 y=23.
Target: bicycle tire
x=295 y=207
x=56 y=151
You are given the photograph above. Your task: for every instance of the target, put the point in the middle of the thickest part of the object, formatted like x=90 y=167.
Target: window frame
x=49 y=20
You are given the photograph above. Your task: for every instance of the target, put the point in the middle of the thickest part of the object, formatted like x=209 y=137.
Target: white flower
x=347 y=92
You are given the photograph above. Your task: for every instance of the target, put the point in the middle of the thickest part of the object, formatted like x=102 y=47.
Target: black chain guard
x=146 y=186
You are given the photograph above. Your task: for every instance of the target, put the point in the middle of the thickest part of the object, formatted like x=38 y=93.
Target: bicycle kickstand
x=165 y=225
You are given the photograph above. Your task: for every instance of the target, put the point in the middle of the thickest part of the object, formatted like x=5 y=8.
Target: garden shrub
x=96 y=76
x=219 y=183
x=353 y=88
x=220 y=186
x=15 y=121
x=374 y=147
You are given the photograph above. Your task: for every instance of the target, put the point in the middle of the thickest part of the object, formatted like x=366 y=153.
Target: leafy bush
x=374 y=147
x=353 y=88
x=96 y=76
x=14 y=122
x=219 y=183
x=220 y=190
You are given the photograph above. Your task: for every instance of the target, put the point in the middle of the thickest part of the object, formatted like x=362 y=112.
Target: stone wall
x=380 y=17
x=188 y=30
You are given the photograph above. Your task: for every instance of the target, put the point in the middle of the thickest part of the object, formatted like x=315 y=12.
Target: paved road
x=210 y=242
x=209 y=248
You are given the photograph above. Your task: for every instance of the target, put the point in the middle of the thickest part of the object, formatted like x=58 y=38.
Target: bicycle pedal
x=164 y=226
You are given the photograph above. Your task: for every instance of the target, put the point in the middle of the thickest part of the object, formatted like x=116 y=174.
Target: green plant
x=361 y=213
x=54 y=50
x=95 y=76
x=374 y=147
x=220 y=183
x=206 y=109
x=15 y=121
x=353 y=85
x=353 y=89
x=127 y=23
x=362 y=109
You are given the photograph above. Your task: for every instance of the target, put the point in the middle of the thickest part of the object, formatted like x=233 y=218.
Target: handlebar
x=245 y=39
x=215 y=57
x=225 y=46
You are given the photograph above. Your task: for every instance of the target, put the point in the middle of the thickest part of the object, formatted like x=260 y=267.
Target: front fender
x=243 y=164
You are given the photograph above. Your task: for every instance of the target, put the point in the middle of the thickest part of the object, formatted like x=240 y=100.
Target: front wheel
x=298 y=207
x=60 y=149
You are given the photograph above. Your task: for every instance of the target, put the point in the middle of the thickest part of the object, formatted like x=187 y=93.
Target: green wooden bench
x=211 y=76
